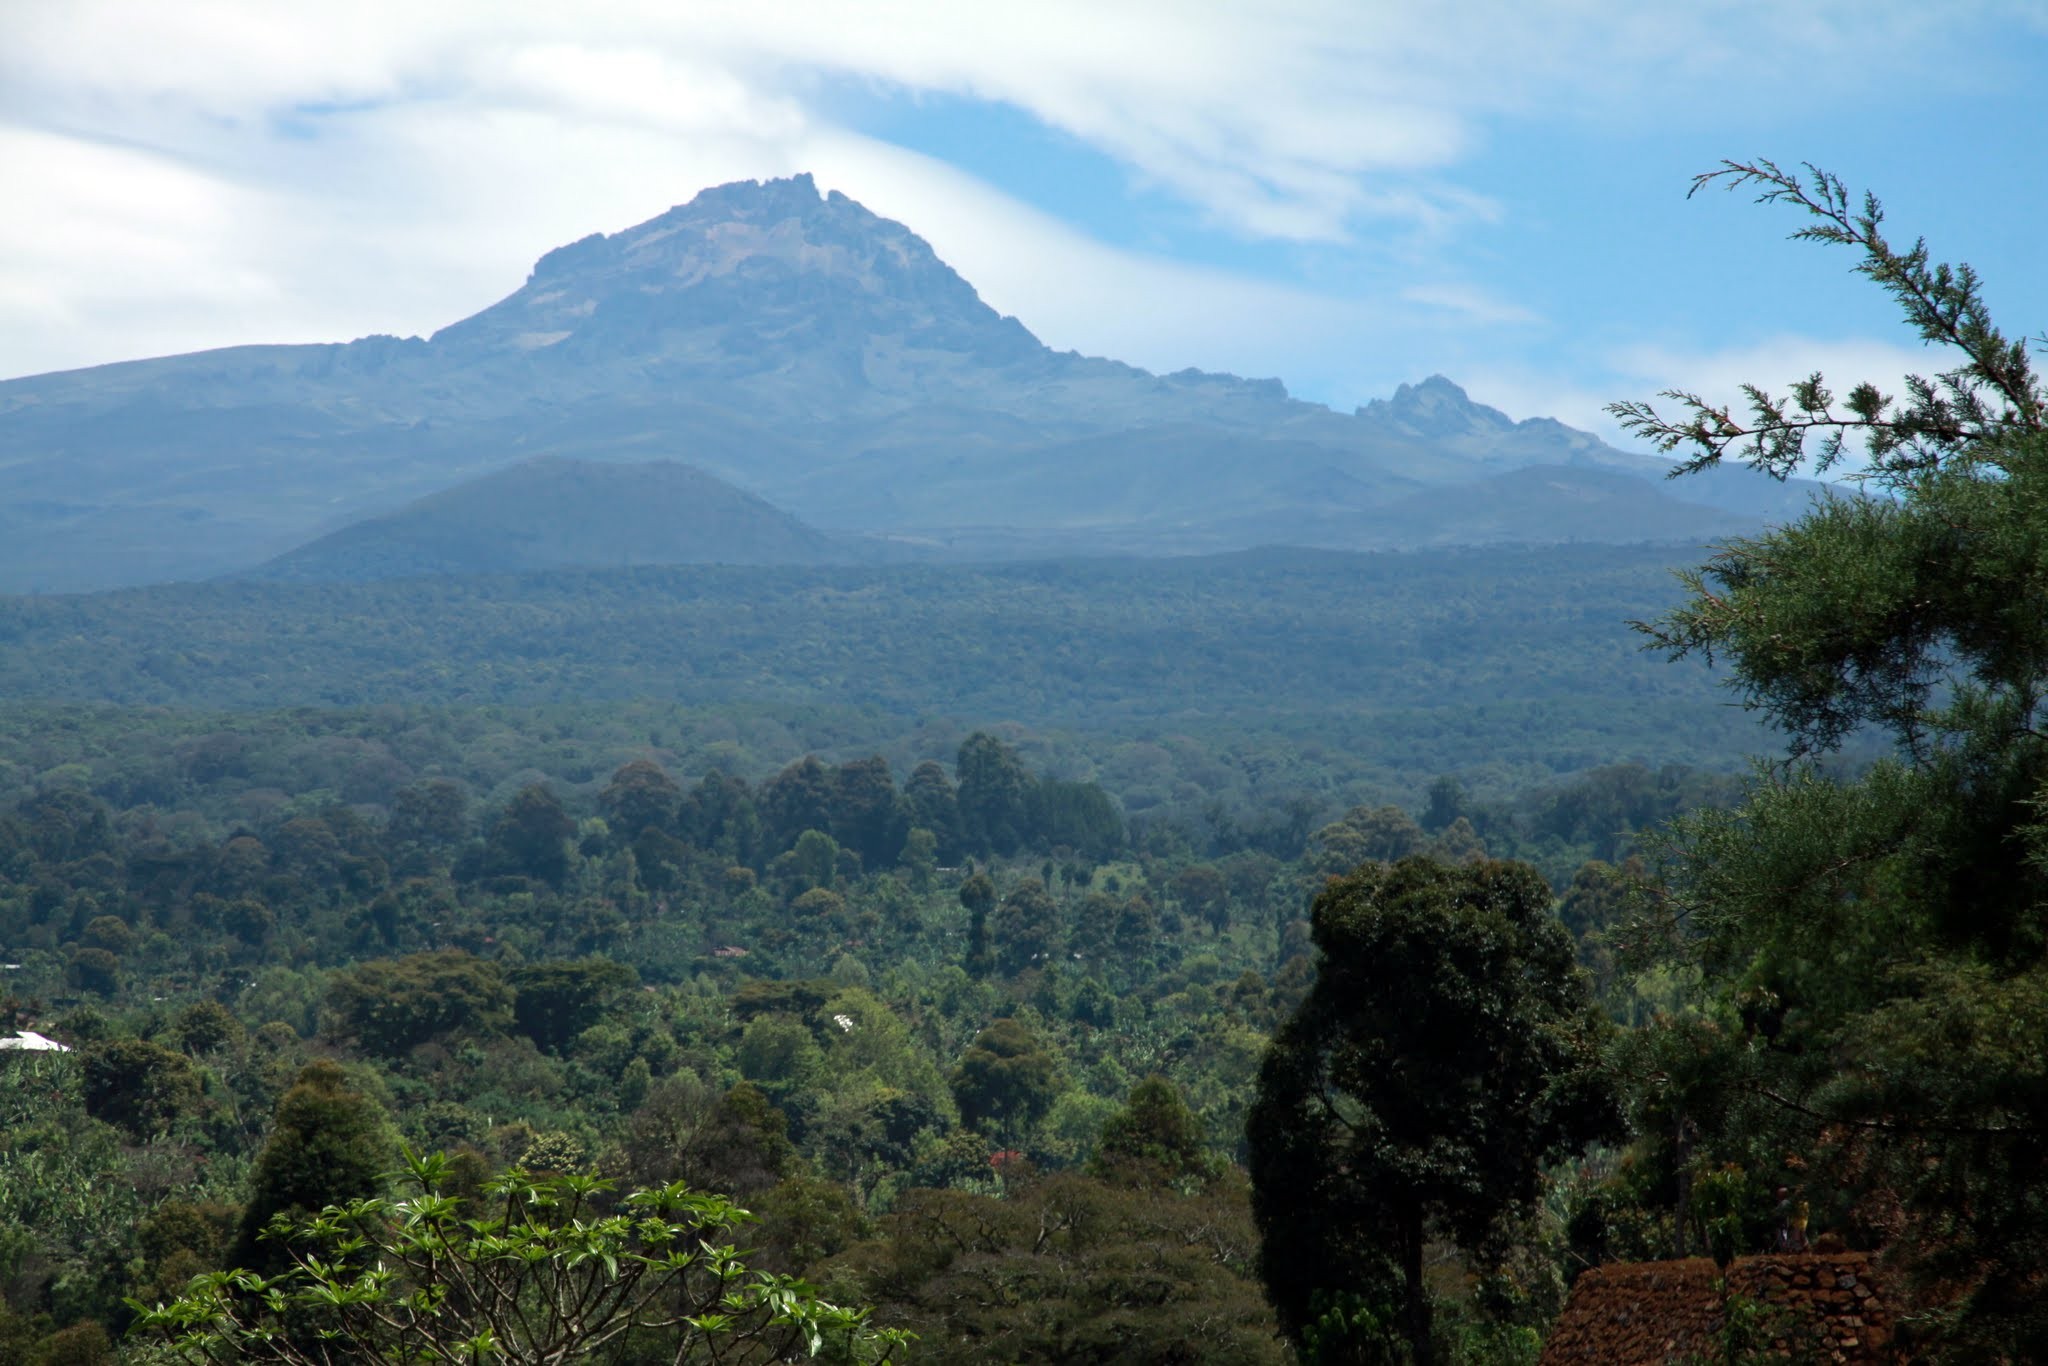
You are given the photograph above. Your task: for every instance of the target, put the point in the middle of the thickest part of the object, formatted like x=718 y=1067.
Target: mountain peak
x=1436 y=407
x=770 y=268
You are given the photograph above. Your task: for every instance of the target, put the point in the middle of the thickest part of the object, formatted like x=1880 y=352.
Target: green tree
x=1153 y=1138
x=139 y=1086
x=1881 y=939
x=640 y=796
x=554 y=1002
x=994 y=796
x=978 y=896
x=1025 y=928
x=330 y=1143
x=95 y=970
x=392 y=1005
x=795 y=800
x=815 y=858
x=931 y=804
x=1203 y=893
x=531 y=836
x=1005 y=1081
x=921 y=857
x=1447 y=1051
x=1075 y=816
x=1448 y=800
x=539 y=1274
x=738 y=1142
x=1364 y=834
x=429 y=818
x=1071 y=1270
x=867 y=816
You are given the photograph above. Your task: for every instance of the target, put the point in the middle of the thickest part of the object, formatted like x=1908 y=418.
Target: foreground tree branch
x=541 y=1280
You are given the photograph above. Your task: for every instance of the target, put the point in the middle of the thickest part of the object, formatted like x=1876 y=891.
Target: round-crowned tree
x=1447 y=1051
x=1006 y=1081
x=330 y=1144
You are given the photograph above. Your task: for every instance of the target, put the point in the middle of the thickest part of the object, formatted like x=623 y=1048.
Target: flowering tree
x=545 y=1275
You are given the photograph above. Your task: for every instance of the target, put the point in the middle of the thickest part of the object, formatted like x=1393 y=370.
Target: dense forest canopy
x=1281 y=956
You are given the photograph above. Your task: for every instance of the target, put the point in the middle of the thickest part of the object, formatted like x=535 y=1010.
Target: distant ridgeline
x=837 y=394
x=1421 y=663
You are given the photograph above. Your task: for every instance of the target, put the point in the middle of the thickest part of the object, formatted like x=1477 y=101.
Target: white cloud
x=1773 y=364
x=1075 y=292
x=1524 y=393
x=1468 y=303
x=1641 y=372
x=222 y=170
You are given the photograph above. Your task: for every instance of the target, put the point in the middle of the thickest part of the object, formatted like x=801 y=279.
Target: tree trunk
x=1682 y=1216
x=1417 y=1306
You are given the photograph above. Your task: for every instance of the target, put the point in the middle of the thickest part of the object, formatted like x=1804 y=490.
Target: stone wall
x=1822 y=1307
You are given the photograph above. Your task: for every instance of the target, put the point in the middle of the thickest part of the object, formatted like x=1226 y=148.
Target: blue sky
x=1345 y=195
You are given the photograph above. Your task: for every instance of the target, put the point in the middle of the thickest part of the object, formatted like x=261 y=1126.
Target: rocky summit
x=748 y=279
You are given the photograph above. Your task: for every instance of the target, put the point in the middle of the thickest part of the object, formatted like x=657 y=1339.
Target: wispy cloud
x=222 y=170
x=1469 y=303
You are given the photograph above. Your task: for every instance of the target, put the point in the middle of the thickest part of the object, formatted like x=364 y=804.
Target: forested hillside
x=1390 y=668
x=880 y=1011
x=1277 y=956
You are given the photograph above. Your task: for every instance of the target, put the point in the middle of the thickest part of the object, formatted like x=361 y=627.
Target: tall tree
x=978 y=895
x=1074 y=816
x=995 y=795
x=1025 y=928
x=531 y=836
x=428 y=819
x=1447 y=1051
x=388 y=1006
x=795 y=800
x=1882 y=941
x=1154 y=1138
x=640 y=796
x=931 y=804
x=557 y=1001
x=867 y=816
x=1006 y=1080
x=721 y=816
x=330 y=1144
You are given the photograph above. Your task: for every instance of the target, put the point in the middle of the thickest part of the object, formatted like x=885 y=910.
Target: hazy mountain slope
x=555 y=513
x=1559 y=503
x=1427 y=661
x=794 y=344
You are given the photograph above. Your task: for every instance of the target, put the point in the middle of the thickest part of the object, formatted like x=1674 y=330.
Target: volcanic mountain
x=554 y=513
x=812 y=354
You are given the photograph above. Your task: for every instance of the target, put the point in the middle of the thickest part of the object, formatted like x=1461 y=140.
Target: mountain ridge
x=795 y=345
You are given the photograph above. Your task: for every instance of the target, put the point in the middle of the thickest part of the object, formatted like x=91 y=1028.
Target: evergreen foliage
x=1874 y=946
x=1447 y=1051
x=330 y=1144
